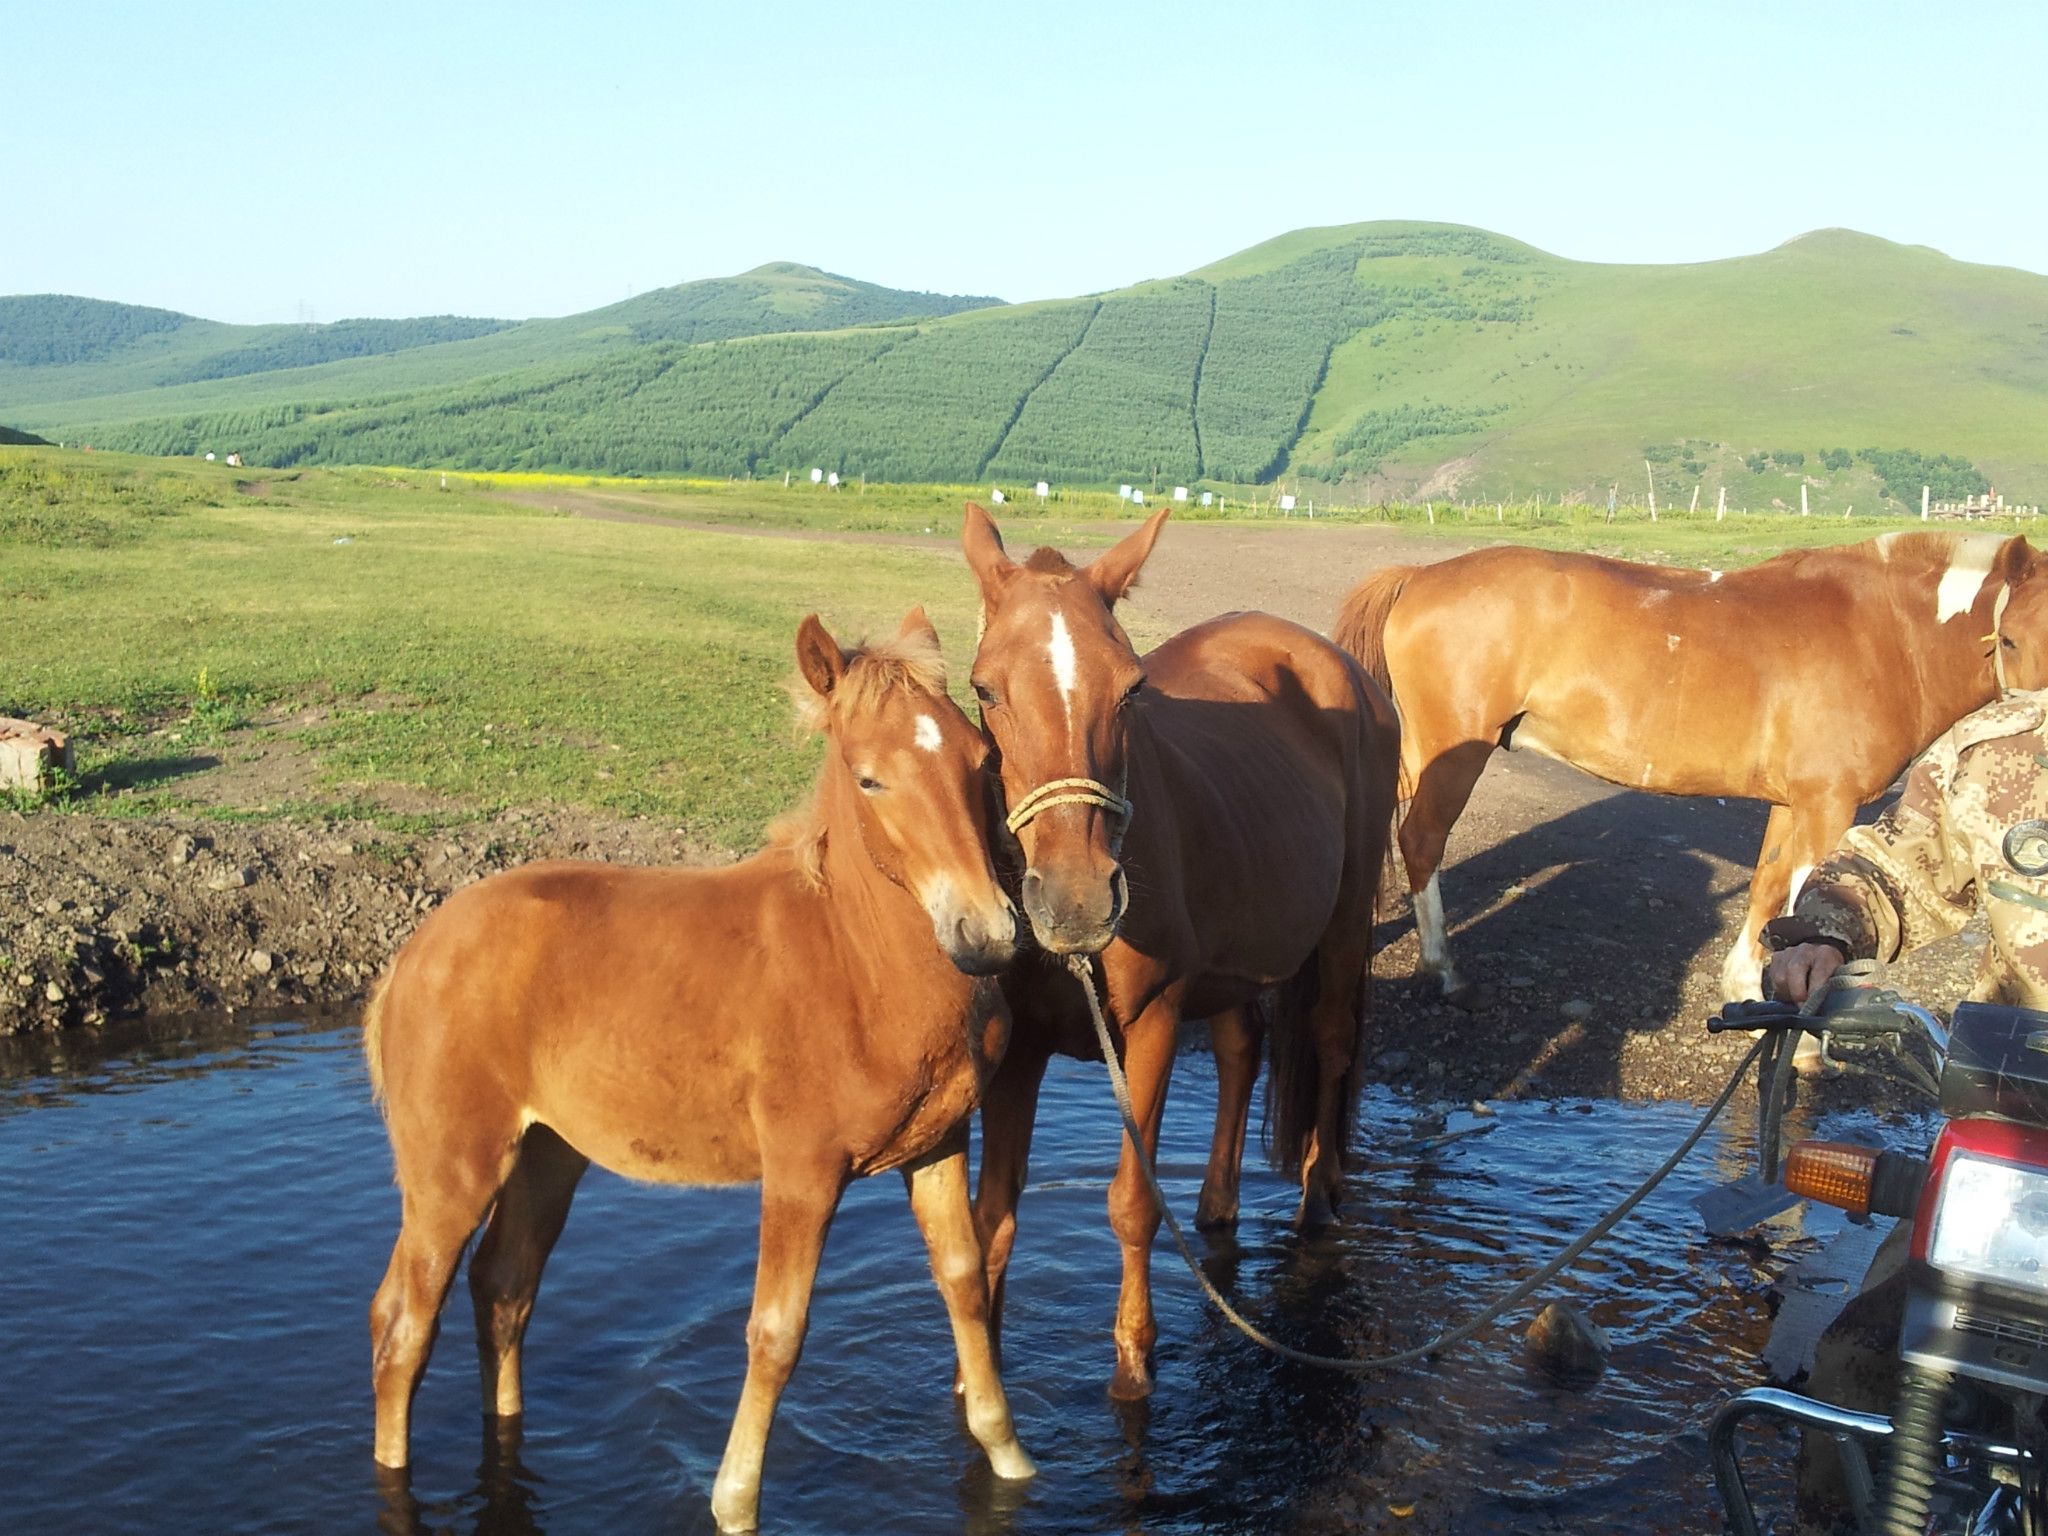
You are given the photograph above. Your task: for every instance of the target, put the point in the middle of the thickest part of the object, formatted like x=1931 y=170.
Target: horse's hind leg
x=938 y=1198
x=796 y=1209
x=1235 y=1041
x=442 y=1206
x=505 y=1270
x=1441 y=791
x=1008 y=1110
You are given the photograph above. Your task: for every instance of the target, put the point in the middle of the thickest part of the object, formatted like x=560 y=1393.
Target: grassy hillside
x=1370 y=361
x=67 y=361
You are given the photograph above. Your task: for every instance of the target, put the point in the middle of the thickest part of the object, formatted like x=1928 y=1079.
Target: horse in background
x=823 y=1010
x=1808 y=681
x=1211 y=819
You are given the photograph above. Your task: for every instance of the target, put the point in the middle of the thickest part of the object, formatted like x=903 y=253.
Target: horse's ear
x=2016 y=561
x=983 y=546
x=1115 y=571
x=818 y=657
x=916 y=626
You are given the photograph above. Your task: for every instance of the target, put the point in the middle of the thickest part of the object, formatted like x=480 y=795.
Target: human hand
x=1795 y=974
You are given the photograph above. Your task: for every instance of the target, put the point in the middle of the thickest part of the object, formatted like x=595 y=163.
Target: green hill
x=67 y=361
x=1371 y=360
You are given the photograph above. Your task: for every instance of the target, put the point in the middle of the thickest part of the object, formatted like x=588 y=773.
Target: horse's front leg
x=1796 y=838
x=938 y=1198
x=796 y=1209
x=1133 y=1214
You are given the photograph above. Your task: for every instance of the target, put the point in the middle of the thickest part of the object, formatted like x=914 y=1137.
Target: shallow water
x=192 y=1219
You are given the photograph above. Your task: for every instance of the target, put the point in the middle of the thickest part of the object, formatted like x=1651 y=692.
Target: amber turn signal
x=1833 y=1172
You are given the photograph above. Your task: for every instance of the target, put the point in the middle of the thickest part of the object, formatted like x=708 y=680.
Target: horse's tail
x=1293 y=1066
x=373 y=1035
x=1362 y=620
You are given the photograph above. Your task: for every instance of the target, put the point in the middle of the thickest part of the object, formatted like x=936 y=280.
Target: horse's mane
x=873 y=669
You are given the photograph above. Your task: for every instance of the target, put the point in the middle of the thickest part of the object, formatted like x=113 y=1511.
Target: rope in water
x=1083 y=970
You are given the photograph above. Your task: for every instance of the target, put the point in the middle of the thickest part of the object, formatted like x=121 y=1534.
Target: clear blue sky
x=259 y=161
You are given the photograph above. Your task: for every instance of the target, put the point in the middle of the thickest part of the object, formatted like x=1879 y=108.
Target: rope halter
x=1997 y=637
x=1055 y=792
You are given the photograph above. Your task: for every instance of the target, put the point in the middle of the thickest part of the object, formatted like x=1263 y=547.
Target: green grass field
x=474 y=647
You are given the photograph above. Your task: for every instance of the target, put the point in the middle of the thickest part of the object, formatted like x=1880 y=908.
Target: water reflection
x=193 y=1216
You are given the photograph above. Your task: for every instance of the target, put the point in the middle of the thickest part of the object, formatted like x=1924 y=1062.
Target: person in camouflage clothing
x=1970 y=828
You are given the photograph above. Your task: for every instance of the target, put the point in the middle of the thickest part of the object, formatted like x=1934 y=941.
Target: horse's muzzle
x=980 y=944
x=1075 y=917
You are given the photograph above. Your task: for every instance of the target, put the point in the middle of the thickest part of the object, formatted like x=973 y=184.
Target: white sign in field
x=817 y=477
x=1286 y=503
x=1044 y=490
x=1208 y=498
x=1137 y=498
x=995 y=495
x=1180 y=493
x=1123 y=492
x=833 y=478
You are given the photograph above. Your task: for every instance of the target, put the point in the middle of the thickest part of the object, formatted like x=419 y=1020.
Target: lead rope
x=1083 y=969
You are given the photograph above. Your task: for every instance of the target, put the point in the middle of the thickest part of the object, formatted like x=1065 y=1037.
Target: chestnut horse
x=1211 y=819
x=820 y=1011
x=1808 y=681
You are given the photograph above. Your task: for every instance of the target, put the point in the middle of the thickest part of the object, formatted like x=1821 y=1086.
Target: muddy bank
x=109 y=916
x=1592 y=922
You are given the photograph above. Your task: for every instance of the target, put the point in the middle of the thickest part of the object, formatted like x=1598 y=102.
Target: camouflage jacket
x=1920 y=870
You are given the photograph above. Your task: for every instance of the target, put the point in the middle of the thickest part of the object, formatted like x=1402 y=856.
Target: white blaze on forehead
x=1059 y=651
x=1968 y=565
x=928 y=733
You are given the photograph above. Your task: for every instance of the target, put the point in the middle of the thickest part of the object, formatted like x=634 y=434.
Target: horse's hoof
x=1130 y=1384
x=1317 y=1211
x=1220 y=1218
x=1471 y=996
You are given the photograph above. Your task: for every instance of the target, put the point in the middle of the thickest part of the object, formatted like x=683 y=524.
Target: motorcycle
x=1963 y=1448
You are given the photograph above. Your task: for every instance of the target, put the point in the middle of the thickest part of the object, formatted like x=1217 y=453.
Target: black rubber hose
x=1914 y=1452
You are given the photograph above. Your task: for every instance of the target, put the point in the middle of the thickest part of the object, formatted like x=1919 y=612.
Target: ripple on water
x=190 y=1232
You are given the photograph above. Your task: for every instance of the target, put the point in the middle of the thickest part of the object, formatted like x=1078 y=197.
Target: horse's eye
x=1131 y=692
x=2002 y=640
x=871 y=786
x=986 y=694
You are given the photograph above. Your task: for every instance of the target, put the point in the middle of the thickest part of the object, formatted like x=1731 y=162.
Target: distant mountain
x=9 y=438
x=1369 y=360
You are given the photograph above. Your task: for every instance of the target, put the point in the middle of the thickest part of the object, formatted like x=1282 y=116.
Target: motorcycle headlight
x=1989 y=1208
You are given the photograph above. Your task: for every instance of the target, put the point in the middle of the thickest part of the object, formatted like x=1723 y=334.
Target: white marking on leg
x=1429 y=927
x=1798 y=884
x=1968 y=565
x=1060 y=651
x=1742 y=974
x=928 y=733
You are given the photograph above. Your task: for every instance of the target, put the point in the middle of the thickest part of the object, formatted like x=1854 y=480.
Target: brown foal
x=1212 y=820
x=823 y=1010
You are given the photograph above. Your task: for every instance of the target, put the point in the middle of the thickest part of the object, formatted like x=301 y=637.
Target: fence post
x=1923 y=502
